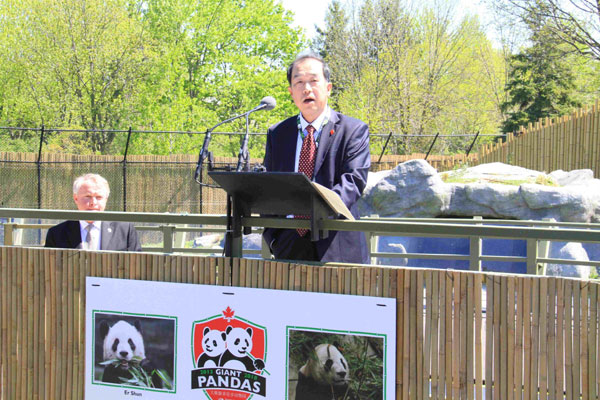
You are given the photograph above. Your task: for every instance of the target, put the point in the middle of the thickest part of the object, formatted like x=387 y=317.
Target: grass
x=459 y=176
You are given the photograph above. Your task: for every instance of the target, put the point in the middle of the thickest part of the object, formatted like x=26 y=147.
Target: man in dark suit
x=341 y=161
x=90 y=193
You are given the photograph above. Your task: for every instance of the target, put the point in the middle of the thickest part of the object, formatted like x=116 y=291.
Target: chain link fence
x=150 y=183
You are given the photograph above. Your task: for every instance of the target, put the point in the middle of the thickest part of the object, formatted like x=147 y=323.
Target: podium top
x=279 y=193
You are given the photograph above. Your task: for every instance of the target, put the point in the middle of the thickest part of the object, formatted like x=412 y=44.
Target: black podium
x=274 y=193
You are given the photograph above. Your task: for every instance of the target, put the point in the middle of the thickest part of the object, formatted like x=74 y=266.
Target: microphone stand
x=204 y=153
x=243 y=161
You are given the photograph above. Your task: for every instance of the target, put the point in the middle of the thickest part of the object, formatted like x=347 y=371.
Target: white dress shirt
x=318 y=125
x=96 y=233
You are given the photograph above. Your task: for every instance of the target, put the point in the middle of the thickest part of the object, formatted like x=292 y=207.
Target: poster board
x=226 y=343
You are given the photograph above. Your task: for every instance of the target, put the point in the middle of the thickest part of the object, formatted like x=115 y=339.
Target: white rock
x=414 y=189
x=575 y=177
x=568 y=251
x=207 y=240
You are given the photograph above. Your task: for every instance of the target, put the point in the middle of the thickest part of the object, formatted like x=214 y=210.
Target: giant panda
x=124 y=342
x=213 y=344
x=325 y=375
x=239 y=345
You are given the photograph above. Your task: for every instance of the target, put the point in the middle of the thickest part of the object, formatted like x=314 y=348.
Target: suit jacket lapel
x=288 y=163
x=325 y=140
x=107 y=234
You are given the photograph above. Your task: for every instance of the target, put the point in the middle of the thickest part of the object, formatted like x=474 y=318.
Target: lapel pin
x=331 y=132
x=109 y=230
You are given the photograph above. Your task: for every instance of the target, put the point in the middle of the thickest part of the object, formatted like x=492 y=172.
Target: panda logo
x=326 y=373
x=239 y=345
x=213 y=344
x=124 y=342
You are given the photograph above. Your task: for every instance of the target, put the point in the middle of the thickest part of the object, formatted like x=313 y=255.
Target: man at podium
x=331 y=149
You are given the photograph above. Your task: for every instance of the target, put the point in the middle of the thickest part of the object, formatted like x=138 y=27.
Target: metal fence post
x=532 y=256
x=475 y=250
x=125 y=170
x=168 y=238
x=432 y=143
x=9 y=229
x=385 y=146
x=373 y=241
x=265 y=251
x=39 y=169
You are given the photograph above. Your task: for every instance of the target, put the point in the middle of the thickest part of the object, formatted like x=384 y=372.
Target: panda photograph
x=333 y=366
x=134 y=351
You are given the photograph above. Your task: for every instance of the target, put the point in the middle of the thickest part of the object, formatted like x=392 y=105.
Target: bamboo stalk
x=597 y=344
x=569 y=340
x=535 y=338
x=519 y=366
x=406 y=295
x=510 y=335
x=576 y=340
x=419 y=334
x=69 y=284
x=592 y=337
x=543 y=344
x=411 y=367
x=427 y=338
x=551 y=338
x=479 y=350
x=583 y=359
x=504 y=343
x=456 y=342
x=498 y=382
x=560 y=348
x=489 y=336
x=4 y=343
x=399 y=294
x=469 y=337
x=442 y=388
x=434 y=304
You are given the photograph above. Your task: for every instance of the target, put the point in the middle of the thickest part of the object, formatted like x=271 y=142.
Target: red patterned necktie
x=306 y=164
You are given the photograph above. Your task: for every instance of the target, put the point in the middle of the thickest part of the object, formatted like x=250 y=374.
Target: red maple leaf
x=228 y=314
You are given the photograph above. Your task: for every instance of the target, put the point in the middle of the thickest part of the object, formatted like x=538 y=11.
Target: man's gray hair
x=314 y=56
x=95 y=178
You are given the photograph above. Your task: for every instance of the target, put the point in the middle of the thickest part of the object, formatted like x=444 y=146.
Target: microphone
x=266 y=103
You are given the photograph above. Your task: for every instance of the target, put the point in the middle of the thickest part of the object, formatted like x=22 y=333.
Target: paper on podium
x=334 y=201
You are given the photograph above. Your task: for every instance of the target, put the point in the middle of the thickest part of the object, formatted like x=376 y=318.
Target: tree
x=575 y=23
x=75 y=64
x=151 y=64
x=216 y=61
x=541 y=82
x=413 y=72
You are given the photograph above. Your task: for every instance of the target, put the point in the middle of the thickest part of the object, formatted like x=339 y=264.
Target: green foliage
x=413 y=72
x=155 y=65
x=541 y=81
x=139 y=376
x=364 y=355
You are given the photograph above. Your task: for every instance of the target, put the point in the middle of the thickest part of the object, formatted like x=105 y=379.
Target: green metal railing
x=537 y=234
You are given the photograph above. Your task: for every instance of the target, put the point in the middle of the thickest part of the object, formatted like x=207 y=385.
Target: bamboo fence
x=569 y=142
x=460 y=335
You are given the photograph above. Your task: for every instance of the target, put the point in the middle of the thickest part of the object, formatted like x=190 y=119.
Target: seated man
x=90 y=193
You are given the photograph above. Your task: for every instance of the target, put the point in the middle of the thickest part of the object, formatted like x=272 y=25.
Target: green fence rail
x=537 y=234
